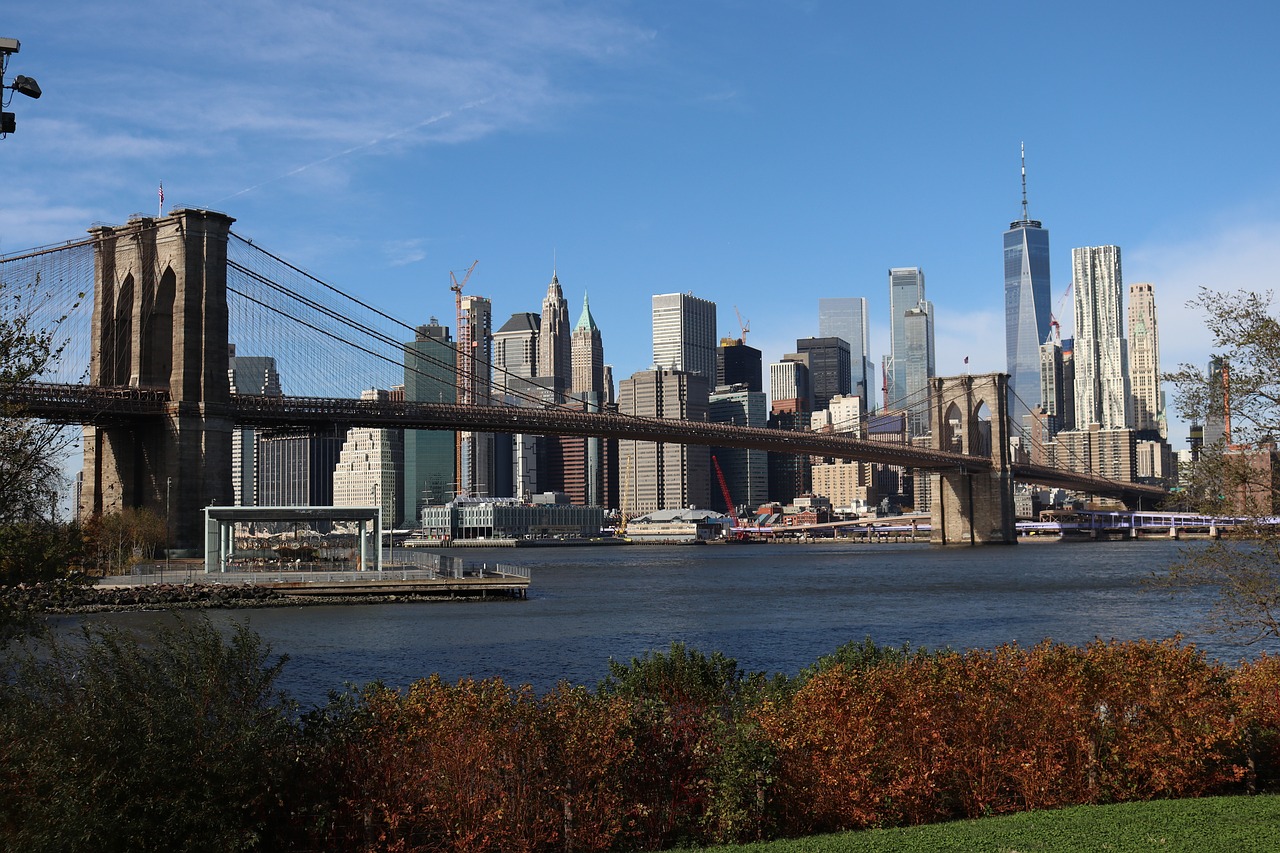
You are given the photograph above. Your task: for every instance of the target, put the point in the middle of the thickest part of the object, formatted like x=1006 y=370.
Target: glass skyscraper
x=911 y=351
x=1026 y=307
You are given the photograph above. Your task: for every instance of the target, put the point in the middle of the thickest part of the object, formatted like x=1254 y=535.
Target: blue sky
x=761 y=155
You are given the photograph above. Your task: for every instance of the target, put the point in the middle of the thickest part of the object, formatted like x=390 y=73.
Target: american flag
x=162 y=194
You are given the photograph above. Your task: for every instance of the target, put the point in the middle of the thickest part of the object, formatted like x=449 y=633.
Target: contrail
x=353 y=149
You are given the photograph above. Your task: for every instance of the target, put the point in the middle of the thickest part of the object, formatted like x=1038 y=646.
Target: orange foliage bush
x=952 y=735
x=480 y=766
x=1256 y=686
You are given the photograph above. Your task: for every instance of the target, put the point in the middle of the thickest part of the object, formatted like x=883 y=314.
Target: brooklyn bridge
x=145 y=314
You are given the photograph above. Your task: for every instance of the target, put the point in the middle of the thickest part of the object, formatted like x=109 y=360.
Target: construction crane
x=728 y=501
x=1055 y=331
x=463 y=366
x=624 y=499
x=744 y=325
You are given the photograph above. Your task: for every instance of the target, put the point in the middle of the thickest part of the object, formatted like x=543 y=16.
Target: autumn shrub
x=1256 y=687
x=479 y=766
x=924 y=737
x=701 y=768
x=1162 y=721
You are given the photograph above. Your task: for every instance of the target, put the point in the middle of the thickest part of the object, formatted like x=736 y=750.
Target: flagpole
x=160 y=204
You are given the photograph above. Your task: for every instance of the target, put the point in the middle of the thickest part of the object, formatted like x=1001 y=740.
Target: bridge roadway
x=112 y=405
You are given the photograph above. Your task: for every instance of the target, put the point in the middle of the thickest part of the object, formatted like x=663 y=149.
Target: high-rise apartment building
x=476 y=471
x=664 y=476
x=1026 y=306
x=1144 y=363
x=830 y=368
x=554 y=346
x=248 y=375
x=430 y=375
x=847 y=317
x=684 y=334
x=1101 y=369
x=370 y=469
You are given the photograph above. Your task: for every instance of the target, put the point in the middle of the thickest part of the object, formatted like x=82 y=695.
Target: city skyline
x=636 y=143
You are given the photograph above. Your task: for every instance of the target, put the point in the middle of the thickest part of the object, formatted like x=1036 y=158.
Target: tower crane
x=744 y=325
x=463 y=370
x=1055 y=331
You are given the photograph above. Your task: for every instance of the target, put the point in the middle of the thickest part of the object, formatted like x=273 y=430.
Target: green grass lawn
x=1233 y=824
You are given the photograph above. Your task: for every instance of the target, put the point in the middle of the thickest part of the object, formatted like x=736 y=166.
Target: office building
x=554 y=347
x=847 y=317
x=684 y=334
x=1216 y=429
x=739 y=364
x=1052 y=386
x=1101 y=369
x=830 y=368
x=254 y=375
x=296 y=468
x=582 y=458
x=515 y=351
x=1026 y=307
x=1144 y=363
x=917 y=328
x=430 y=374
x=664 y=476
x=910 y=362
x=746 y=472
x=789 y=388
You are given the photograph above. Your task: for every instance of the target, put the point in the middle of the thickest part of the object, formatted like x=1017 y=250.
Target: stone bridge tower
x=160 y=321
x=970 y=414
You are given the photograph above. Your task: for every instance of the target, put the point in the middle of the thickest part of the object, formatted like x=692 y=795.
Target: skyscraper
x=746 y=472
x=917 y=329
x=1026 y=306
x=249 y=375
x=475 y=350
x=906 y=292
x=830 y=369
x=429 y=377
x=664 y=476
x=515 y=352
x=846 y=317
x=684 y=334
x=737 y=363
x=587 y=356
x=554 y=347
x=1144 y=362
x=370 y=469
x=1101 y=371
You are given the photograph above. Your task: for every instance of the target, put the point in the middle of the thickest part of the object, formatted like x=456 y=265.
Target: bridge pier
x=160 y=321
x=969 y=415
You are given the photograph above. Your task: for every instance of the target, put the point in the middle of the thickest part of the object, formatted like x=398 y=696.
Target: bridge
x=144 y=372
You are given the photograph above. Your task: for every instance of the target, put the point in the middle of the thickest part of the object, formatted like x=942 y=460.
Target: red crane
x=728 y=500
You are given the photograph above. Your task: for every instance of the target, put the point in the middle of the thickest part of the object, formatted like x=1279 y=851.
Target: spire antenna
x=1024 y=182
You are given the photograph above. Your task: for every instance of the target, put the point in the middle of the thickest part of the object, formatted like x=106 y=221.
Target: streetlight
x=26 y=85
x=168 y=529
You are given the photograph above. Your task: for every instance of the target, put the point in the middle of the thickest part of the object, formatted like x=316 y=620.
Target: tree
x=179 y=740
x=35 y=546
x=1239 y=475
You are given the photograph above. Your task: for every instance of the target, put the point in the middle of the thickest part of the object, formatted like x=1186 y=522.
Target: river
x=774 y=608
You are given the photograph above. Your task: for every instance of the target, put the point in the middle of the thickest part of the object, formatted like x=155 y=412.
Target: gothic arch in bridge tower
x=969 y=415
x=160 y=321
